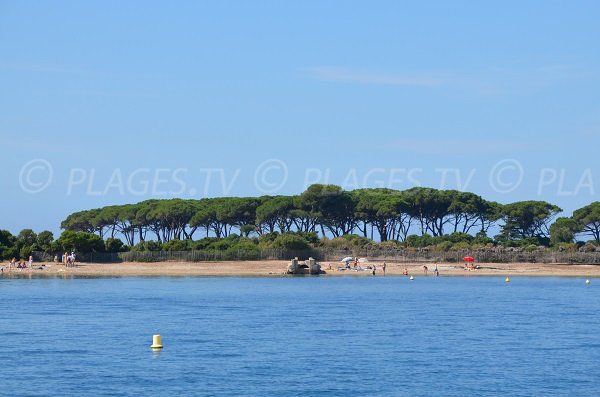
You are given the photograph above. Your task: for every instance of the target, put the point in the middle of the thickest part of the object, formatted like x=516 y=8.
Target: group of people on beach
x=22 y=264
x=66 y=259
x=373 y=268
x=471 y=267
x=435 y=270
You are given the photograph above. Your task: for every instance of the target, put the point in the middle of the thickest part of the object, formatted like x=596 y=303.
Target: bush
x=114 y=245
x=205 y=243
x=80 y=242
x=458 y=237
x=419 y=241
x=567 y=247
x=462 y=245
x=177 y=245
x=150 y=245
x=588 y=247
x=290 y=242
x=245 y=245
x=443 y=246
x=309 y=237
x=356 y=240
x=336 y=243
x=482 y=239
x=390 y=245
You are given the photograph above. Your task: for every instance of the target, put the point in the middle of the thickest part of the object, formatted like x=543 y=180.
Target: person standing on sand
x=425 y=270
x=436 y=271
x=374 y=269
x=30 y=261
x=383 y=267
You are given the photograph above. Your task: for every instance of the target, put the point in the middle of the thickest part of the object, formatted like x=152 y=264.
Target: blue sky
x=106 y=103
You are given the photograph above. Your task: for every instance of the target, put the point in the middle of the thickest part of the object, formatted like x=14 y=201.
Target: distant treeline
x=323 y=215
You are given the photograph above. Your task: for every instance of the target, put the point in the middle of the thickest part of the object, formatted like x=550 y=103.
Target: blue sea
x=300 y=336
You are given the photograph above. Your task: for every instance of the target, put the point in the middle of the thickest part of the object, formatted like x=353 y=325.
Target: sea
x=300 y=336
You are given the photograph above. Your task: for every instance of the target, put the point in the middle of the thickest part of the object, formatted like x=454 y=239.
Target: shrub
x=419 y=241
x=114 y=245
x=80 y=242
x=291 y=242
x=150 y=245
x=588 y=247
x=462 y=245
x=443 y=246
x=177 y=245
x=390 y=245
x=530 y=248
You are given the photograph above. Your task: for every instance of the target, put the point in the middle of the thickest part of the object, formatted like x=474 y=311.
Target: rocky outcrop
x=309 y=266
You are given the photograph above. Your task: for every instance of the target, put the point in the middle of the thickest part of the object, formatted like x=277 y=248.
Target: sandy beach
x=278 y=268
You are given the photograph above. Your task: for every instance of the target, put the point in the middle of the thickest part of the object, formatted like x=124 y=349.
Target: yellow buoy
x=507 y=280
x=156 y=342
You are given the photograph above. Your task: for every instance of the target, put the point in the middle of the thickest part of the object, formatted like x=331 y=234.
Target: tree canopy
x=418 y=216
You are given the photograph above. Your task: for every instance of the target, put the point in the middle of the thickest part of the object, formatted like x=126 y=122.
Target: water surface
x=306 y=336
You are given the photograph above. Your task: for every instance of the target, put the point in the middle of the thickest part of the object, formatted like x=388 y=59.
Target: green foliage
x=416 y=241
x=537 y=241
x=482 y=239
x=244 y=245
x=568 y=247
x=530 y=247
x=8 y=249
x=247 y=229
x=177 y=245
x=447 y=219
x=589 y=247
x=114 y=245
x=147 y=246
x=444 y=246
x=347 y=242
x=44 y=241
x=563 y=230
x=390 y=245
x=80 y=242
x=588 y=219
x=527 y=219
x=463 y=245
x=291 y=242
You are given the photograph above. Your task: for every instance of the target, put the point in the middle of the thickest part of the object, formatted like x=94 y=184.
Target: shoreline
x=277 y=268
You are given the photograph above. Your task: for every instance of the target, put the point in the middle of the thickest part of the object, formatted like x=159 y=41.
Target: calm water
x=300 y=337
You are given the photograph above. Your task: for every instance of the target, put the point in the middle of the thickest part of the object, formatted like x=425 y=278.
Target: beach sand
x=278 y=268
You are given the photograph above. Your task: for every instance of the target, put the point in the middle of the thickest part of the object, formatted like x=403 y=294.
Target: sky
x=110 y=102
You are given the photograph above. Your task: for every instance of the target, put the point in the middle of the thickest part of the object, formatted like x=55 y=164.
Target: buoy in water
x=507 y=280
x=156 y=342
x=411 y=278
x=587 y=281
